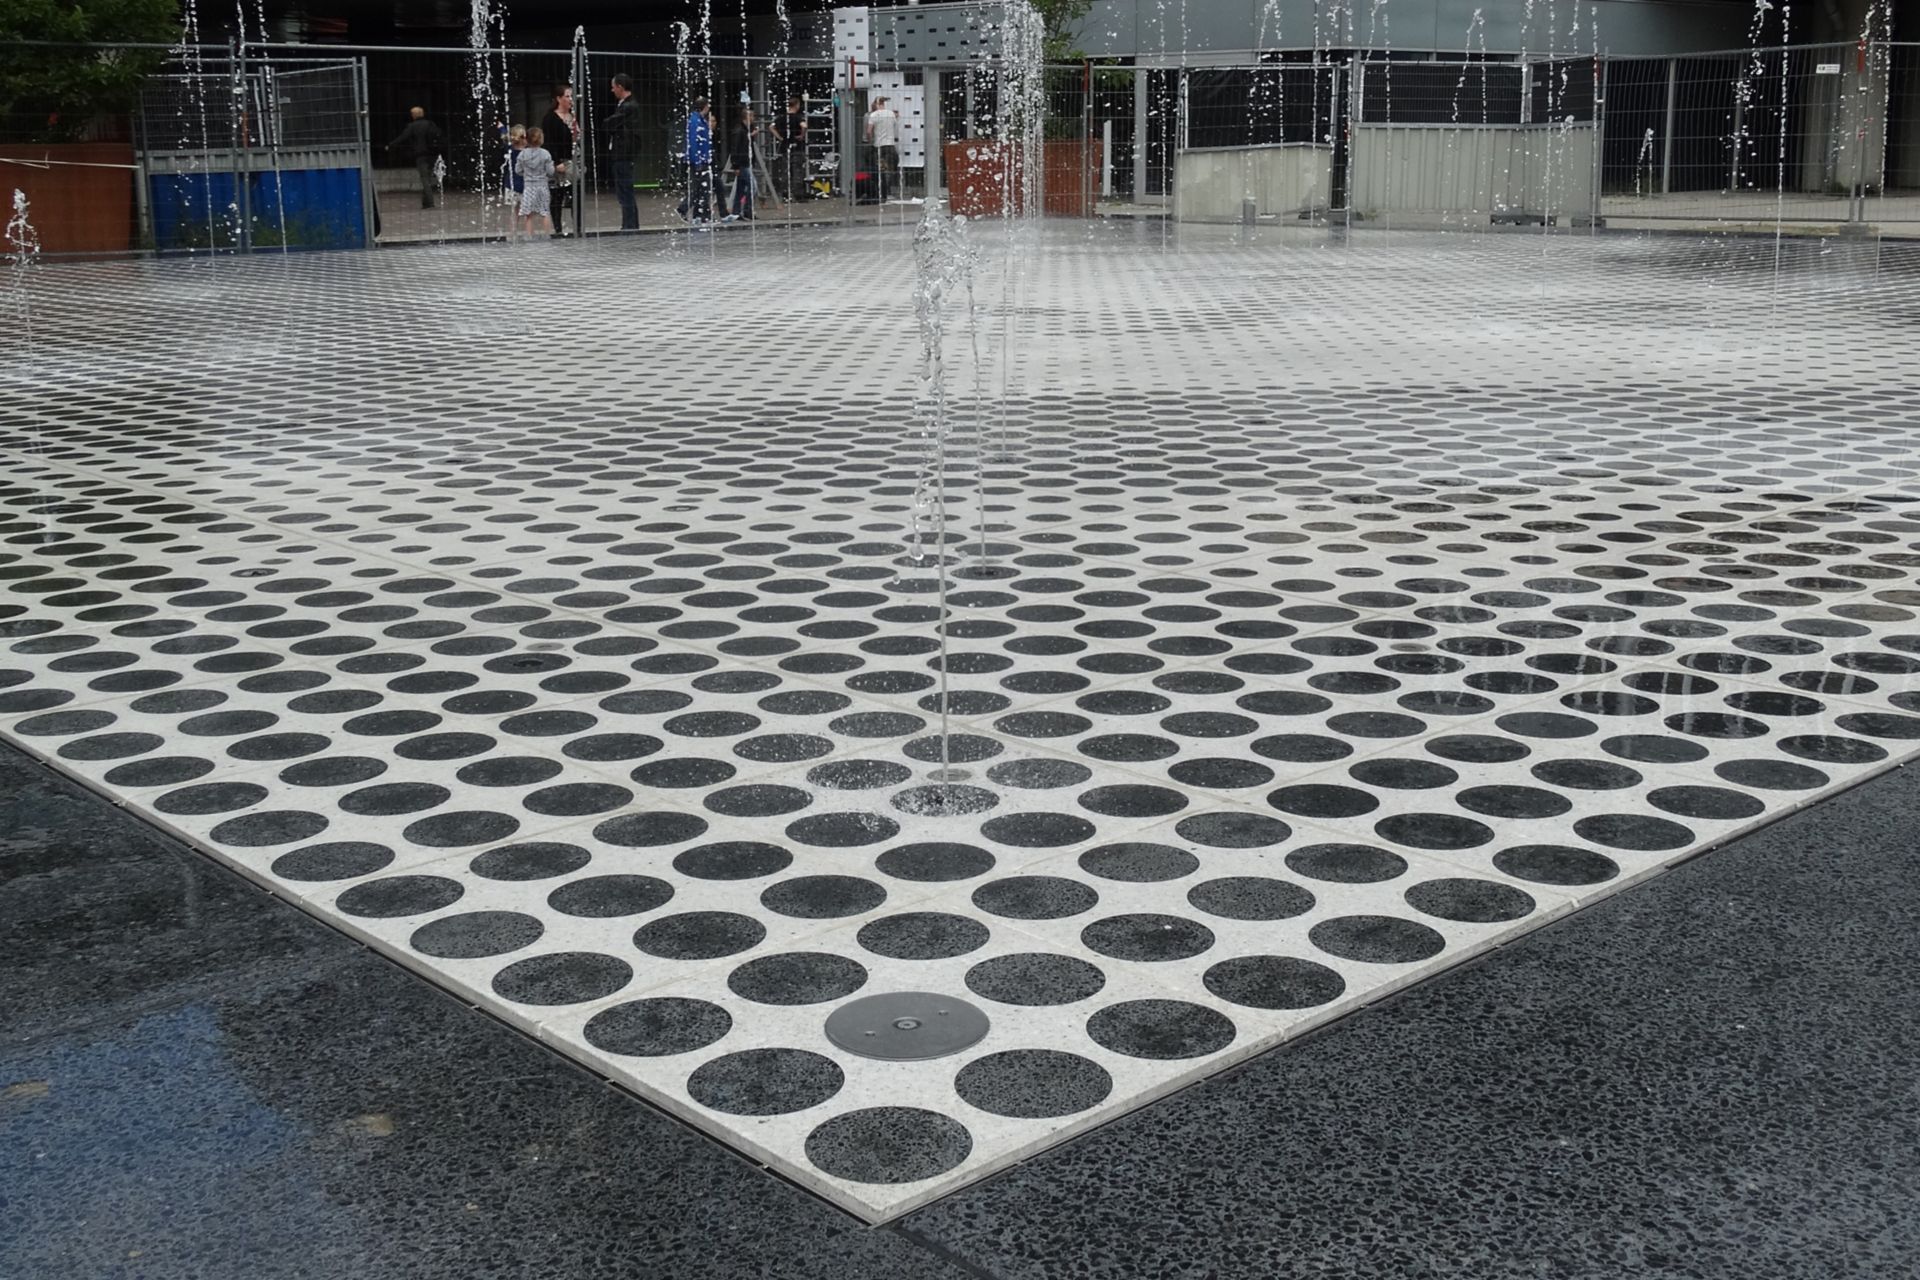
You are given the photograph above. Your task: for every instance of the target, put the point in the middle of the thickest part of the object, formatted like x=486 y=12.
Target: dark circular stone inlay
x=889 y=1145
x=1033 y=1084
x=657 y=1027
x=1035 y=978
x=1163 y=1030
x=765 y=1082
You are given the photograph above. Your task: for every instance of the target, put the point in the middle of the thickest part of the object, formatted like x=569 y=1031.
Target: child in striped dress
x=534 y=165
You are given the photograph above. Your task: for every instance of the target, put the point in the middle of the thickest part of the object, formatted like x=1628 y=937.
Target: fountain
x=581 y=175
x=946 y=262
x=487 y=102
x=194 y=72
x=23 y=254
x=943 y=261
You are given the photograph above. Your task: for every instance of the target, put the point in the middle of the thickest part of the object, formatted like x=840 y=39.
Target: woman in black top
x=562 y=129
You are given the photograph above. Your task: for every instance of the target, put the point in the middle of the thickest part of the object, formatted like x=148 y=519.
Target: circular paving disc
x=906 y=1026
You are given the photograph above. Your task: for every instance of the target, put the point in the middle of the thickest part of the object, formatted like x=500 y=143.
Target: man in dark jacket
x=623 y=140
x=421 y=140
x=740 y=158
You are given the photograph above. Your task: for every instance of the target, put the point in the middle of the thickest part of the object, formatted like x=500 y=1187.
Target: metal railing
x=1811 y=133
x=1819 y=134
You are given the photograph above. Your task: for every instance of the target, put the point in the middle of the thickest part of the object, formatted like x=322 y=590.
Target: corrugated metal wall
x=1211 y=184
x=1473 y=173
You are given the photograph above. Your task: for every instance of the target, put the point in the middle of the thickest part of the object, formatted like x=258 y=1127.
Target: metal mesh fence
x=1816 y=134
x=1467 y=93
x=1805 y=133
x=205 y=104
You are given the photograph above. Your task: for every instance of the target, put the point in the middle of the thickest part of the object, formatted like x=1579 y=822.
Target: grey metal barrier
x=1475 y=143
x=237 y=153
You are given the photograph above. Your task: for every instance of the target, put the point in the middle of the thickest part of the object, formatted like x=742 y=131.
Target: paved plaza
x=1308 y=613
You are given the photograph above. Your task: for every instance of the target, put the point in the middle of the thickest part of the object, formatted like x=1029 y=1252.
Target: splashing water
x=487 y=103
x=23 y=256
x=23 y=253
x=1020 y=126
x=943 y=263
x=582 y=165
x=194 y=69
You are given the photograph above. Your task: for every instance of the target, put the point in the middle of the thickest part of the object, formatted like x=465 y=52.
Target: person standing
x=623 y=135
x=534 y=167
x=421 y=141
x=740 y=160
x=562 y=132
x=792 y=133
x=515 y=141
x=698 y=148
x=883 y=131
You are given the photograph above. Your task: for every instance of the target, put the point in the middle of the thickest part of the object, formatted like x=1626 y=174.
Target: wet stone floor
x=1318 y=613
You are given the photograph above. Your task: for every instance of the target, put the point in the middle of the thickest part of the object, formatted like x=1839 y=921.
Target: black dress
x=559 y=144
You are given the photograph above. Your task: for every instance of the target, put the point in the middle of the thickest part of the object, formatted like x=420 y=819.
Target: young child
x=535 y=168
x=510 y=180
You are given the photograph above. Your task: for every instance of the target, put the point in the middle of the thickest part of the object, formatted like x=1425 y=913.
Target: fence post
x=1857 y=199
x=1594 y=220
x=934 y=131
x=582 y=142
x=237 y=142
x=1666 y=146
x=367 y=198
x=1355 y=107
x=142 y=173
x=1086 y=136
x=847 y=135
x=1179 y=145
x=1142 y=127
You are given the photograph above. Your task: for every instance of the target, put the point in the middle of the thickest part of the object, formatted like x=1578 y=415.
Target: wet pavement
x=1707 y=1077
x=1520 y=569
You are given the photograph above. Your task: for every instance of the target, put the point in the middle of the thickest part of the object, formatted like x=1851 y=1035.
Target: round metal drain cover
x=906 y=1026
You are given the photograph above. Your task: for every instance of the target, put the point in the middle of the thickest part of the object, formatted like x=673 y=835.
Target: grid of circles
x=625 y=728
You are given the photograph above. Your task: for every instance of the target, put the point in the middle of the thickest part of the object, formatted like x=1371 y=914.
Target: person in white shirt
x=883 y=131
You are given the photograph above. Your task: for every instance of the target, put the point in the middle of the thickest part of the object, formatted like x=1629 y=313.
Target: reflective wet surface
x=1321 y=615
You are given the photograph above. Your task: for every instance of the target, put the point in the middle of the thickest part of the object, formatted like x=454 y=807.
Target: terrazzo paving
x=548 y=618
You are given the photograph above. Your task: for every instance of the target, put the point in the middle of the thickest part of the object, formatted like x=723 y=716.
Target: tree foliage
x=52 y=92
x=1062 y=17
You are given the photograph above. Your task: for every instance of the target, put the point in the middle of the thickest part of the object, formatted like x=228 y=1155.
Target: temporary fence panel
x=1257 y=139
x=1897 y=204
x=1231 y=183
x=239 y=154
x=1799 y=133
x=1475 y=142
x=263 y=145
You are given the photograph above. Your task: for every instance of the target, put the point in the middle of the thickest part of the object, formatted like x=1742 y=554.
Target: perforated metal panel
x=937 y=33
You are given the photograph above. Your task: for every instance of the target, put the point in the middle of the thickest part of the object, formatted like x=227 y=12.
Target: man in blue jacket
x=699 y=159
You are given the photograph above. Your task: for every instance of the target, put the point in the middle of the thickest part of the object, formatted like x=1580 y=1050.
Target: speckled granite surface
x=1707 y=1077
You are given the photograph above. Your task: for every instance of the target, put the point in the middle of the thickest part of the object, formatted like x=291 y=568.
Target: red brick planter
x=981 y=174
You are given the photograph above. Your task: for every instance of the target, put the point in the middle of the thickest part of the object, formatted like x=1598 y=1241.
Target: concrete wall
x=1209 y=185
x=1469 y=174
x=1167 y=28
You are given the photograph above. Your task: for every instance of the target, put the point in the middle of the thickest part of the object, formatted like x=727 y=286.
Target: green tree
x=52 y=92
x=1062 y=17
